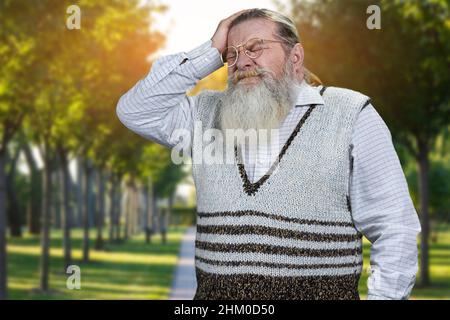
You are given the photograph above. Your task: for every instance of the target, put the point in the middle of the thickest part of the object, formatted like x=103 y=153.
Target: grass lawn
x=439 y=269
x=130 y=270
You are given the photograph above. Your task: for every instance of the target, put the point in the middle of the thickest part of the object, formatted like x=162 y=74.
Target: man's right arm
x=158 y=104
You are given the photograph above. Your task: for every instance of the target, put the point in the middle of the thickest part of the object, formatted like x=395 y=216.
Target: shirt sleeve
x=157 y=104
x=382 y=208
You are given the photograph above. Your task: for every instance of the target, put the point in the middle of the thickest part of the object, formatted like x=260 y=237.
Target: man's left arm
x=382 y=208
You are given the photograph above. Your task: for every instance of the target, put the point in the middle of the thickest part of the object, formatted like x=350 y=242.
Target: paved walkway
x=184 y=283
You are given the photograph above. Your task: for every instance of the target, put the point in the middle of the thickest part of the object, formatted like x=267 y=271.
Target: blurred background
x=78 y=188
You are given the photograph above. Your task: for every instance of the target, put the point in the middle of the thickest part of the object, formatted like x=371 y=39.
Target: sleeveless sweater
x=289 y=235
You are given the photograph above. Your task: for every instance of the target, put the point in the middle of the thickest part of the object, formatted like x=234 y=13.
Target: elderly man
x=288 y=226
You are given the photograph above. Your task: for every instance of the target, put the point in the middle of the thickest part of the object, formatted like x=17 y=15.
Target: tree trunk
x=119 y=208
x=67 y=216
x=127 y=212
x=169 y=212
x=45 y=234
x=100 y=210
x=112 y=208
x=155 y=212
x=92 y=197
x=35 y=205
x=139 y=209
x=13 y=208
x=134 y=208
x=79 y=192
x=57 y=195
x=151 y=212
x=147 y=210
x=3 y=261
x=86 y=206
x=424 y=216
x=163 y=216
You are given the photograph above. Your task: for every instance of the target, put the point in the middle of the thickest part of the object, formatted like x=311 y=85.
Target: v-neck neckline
x=250 y=188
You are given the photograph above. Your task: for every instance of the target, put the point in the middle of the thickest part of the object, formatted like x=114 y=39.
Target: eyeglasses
x=253 y=49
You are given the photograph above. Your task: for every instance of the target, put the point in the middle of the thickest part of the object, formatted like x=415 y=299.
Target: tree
x=66 y=86
x=13 y=208
x=35 y=188
x=17 y=48
x=62 y=83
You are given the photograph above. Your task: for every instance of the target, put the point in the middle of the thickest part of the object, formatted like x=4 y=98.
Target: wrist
x=215 y=45
x=205 y=59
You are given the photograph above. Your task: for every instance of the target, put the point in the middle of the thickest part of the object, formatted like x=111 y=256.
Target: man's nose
x=244 y=63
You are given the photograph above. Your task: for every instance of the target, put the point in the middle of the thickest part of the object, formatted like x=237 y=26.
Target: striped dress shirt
x=382 y=209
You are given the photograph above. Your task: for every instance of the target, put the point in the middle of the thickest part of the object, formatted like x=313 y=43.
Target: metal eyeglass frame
x=244 y=45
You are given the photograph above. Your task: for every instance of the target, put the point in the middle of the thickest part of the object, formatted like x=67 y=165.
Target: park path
x=184 y=281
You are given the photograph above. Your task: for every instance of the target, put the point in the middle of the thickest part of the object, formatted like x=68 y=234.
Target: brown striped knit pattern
x=275 y=271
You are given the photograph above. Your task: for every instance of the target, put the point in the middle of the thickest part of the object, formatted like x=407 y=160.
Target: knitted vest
x=289 y=235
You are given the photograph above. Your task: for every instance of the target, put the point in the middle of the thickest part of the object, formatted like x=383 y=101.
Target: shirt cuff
x=205 y=58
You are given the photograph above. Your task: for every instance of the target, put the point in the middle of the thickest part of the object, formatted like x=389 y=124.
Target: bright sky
x=189 y=23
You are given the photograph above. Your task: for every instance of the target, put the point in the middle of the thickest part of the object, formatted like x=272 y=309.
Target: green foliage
x=72 y=79
x=439 y=179
x=184 y=216
x=403 y=67
x=16 y=59
x=168 y=178
x=22 y=191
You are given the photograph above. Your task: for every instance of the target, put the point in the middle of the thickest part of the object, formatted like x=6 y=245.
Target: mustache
x=239 y=75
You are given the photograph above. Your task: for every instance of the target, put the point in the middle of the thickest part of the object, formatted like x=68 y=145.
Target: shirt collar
x=307 y=95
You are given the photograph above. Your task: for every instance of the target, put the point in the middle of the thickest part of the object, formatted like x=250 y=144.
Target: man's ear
x=297 y=54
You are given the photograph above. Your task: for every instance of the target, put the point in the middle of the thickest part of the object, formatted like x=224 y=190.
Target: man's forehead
x=254 y=28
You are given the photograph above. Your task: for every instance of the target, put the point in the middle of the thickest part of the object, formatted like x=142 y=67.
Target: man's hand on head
x=219 y=39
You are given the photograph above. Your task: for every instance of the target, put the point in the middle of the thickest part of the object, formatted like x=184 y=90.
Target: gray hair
x=286 y=29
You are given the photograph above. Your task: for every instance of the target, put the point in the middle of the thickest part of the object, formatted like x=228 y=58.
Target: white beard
x=259 y=106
